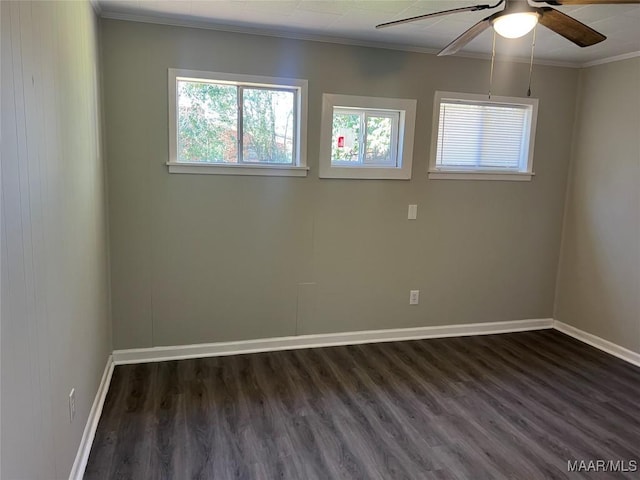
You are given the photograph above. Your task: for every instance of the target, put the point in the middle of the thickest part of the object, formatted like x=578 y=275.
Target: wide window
x=477 y=138
x=366 y=137
x=236 y=124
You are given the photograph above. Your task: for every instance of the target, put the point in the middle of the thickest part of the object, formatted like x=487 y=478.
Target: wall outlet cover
x=414 y=297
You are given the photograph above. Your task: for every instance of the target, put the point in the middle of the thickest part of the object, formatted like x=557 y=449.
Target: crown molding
x=616 y=58
x=297 y=35
x=97 y=8
x=288 y=34
x=502 y=58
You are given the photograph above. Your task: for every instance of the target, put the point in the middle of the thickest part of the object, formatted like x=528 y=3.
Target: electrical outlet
x=414 y=297
x=72 y=405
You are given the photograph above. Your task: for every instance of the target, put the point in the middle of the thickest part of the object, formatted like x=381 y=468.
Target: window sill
x=366 y=173
x=461 y=175
x=256 y=170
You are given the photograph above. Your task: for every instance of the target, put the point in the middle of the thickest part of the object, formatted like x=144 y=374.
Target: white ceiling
x=353 y=21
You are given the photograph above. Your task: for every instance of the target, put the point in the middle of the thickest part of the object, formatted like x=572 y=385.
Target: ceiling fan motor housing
x=516 y=20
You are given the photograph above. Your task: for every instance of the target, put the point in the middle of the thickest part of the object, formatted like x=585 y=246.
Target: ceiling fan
x=519 y=17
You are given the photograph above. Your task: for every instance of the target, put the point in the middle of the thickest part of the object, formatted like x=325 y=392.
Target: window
x=236 y=124
x=366 y=137
x=476 y=138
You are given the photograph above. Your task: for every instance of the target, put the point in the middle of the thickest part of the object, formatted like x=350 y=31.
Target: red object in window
x=340 y=142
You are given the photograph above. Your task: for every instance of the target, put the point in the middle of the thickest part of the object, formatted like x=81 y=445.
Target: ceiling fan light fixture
x=515 y=25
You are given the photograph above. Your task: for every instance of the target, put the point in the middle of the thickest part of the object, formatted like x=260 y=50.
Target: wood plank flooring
x=516 y=406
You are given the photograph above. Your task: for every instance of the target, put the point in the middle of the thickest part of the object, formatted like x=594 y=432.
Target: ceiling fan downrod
x=533 y=46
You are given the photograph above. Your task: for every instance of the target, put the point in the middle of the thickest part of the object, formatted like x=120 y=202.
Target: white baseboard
x=158 y=354
x=600 y=343
x=80 y=463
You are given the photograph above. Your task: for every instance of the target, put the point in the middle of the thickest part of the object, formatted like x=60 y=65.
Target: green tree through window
x=362 y=137
x=209 y=123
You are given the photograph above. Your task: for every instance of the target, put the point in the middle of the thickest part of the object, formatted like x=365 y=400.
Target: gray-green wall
x=599 y=274
x=203 y=258
x=56 y=331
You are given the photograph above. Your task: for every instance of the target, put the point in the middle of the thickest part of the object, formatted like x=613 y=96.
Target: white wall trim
x=478 y=175
x=401 y=137
x=238 y=169
x=97 y=8
x=158 y=354
x=267 y=32
x=598 y=342
x=80 y=463
x=616 y=58
x=314 y=37
x=179 y=352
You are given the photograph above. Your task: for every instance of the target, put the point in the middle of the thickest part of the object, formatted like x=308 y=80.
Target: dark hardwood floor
x=517 y=406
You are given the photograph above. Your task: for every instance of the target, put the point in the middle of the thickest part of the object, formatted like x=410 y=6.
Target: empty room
x=314 y=239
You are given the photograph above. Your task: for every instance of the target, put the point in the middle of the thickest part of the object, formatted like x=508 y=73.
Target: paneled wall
x=55 y=316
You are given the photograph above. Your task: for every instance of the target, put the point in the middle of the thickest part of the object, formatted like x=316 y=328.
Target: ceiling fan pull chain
x=533 y=46
x=493 y=58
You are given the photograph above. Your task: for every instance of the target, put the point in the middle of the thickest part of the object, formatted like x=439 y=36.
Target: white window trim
x=406 y=129
x=298 y=169
x=448 y=173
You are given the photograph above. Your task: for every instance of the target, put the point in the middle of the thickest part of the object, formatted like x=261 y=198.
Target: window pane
x=482 y=136
x=267 y=119
x=207 y=122
x=345 y=138
x=378 y=149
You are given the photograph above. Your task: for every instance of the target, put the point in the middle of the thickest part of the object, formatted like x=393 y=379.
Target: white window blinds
x=483 y=136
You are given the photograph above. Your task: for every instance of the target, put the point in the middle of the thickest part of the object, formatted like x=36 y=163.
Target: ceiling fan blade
x=570 y=28
x=473 y=8
x=587 y=2
x=467 y=36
